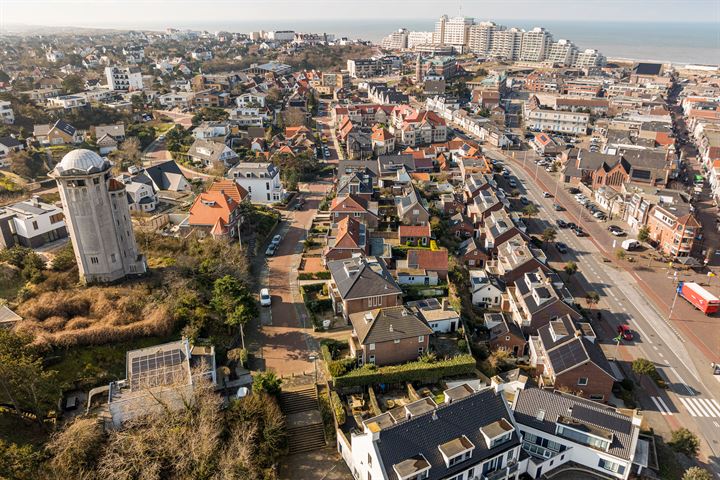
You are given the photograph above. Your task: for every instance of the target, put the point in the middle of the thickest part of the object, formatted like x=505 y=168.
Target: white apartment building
x=134 y=55
x=31 y=223
x=396 y=41
x=562 y=52
x=261 y=180
x=548 y=120
x=251 y=99
x=124 y=78
x=589 y=58
x=281 y=35
x=419 y=38
x=506 y=43
x=453 y=31
x=7 y=116
x=535 y=45
x=481 y=36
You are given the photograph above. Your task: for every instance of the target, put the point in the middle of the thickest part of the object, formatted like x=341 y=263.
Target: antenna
x=459 y=8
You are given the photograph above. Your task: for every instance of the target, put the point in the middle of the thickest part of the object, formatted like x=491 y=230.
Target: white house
x=68 y=102
x=485 y=291
x=208 y=130
x=471 y=436
x=176 y=99
x=558 y=428
x=7 y=116
x=7 y=145
x=207 y=152
x=439 y=315
x=141 y=196
x=251 y=100
x=261 y=180
x=31 y=223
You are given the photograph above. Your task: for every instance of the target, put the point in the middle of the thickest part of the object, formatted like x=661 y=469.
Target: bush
x=684 y=441
x=462 y=345
x=64 y=259
x=408 y=372
x=340 y=367
x=267 y=382
x=697 y=473
x=337 y=407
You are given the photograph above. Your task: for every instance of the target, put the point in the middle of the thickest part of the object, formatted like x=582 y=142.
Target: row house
x=516 y=257
x=345 y=239
x=364 y=211
x=484 y=203
x=537 y=297
x=411 y=207
x=500 y=226
x=423 y=267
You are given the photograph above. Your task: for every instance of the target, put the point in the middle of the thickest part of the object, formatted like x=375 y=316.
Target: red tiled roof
x=229 y=188
x=348 y=233
x=350 y=203
x=209 y=207
x=414 y=231
x=428 y=259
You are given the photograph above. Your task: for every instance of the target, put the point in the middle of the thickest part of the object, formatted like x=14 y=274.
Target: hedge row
x=324 y=275
x=408 y=372
x=337 y=407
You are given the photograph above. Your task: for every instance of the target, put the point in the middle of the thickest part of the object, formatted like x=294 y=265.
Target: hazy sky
x=196 y=12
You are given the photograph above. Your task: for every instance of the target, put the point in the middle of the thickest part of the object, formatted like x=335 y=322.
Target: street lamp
x=313 y=358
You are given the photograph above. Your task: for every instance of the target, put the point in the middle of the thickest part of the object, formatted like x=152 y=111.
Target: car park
x=561 y=247
x=265 y=298
x=625 y=332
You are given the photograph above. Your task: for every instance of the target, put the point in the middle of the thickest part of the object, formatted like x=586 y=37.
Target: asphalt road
x=689 y=401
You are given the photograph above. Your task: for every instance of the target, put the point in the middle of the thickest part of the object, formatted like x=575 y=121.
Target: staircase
x=304 y=422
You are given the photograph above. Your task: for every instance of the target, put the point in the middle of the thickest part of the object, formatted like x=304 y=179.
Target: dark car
x=558 y=208
x=524 y=201
x=625 y=332
x=579 y=232
x=561 y=247
x=573 y=190
x=561 y=223
x=571 y=225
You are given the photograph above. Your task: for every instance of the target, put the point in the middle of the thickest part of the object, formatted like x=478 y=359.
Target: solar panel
x=567 y=356
x=155 y=369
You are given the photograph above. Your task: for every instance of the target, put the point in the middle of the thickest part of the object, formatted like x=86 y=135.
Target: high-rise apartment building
x=589 y=58
x=419 y=38
x=562 y=52
x=506 y=43
x=396 y=41
x=480 y=37
x=453 y=31
x=535 y=45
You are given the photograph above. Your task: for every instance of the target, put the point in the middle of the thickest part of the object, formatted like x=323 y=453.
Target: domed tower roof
x=81 y=161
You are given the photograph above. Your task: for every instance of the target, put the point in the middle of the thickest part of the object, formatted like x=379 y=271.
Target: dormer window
x=456 y=451
x=414 y=468
x=497 y=432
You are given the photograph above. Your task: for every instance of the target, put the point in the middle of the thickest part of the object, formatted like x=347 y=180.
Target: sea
x=675 y=42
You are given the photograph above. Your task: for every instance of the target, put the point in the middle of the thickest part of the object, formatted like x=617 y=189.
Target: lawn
x=92 y=366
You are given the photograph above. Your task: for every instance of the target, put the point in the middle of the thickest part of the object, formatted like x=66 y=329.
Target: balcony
x=502 y=473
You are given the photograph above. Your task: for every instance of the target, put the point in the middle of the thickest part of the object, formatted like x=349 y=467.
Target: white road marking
x=659 y=407
x=662 y=402
x=689 y=408
x=655 y=347
x=714 y=409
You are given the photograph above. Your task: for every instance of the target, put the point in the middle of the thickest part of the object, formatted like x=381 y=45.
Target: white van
x=630 y=244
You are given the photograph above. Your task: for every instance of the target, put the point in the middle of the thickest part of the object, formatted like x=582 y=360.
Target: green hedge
x=324 y=275
x=408 y=372
x=337 y=408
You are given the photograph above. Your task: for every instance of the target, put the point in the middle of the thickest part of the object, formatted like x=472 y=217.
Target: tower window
x=94 y=260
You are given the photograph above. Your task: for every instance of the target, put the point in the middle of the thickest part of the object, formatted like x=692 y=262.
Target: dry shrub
x=53 y=324
x=93 y=316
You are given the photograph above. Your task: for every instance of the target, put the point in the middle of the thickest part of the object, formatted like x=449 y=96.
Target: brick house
x=411 y=209
x=423 y=267
x=566 y=357
x=471 y=254
x=359 y=284
x=460 y=226
x=499 y=227
x=414 y=235
x=504 y=335
x=388 y=336
x=216 y=212
x=673 y=228
x=353 y=206
x=516 y=257
x=346 y=238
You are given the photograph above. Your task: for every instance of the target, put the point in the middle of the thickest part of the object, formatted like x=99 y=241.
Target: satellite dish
x=242 y=392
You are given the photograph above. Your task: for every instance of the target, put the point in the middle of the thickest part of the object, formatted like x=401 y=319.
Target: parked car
x=547 y=194
x=265 y=298
x=270 y=250
x=561 y=223
x=558 y=208
x=561 y=247
x=276 y=240
x=524 y=201
x=599 y=215
x=579 y=232
x=571 y=226
x=512 y=183
x=625 y=332
x=615 y=230
x=573 y=190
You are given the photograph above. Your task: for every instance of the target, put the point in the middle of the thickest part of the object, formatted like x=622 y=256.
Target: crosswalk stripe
x=660 y=409
x=662 y=402
x=717 y=405
x=689 y=407
x=699 y=406
x=715 y=411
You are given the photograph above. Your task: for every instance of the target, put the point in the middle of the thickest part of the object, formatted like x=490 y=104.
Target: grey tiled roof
x=531 y=401
x=423 y=434
x=370 y=279
x=388 y=324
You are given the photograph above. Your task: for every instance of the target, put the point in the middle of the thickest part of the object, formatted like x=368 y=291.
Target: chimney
x=35 y=201
x=434 y=415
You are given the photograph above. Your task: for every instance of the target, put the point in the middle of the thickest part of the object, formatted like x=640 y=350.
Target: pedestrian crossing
x=661 y=406
x=701 y=407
